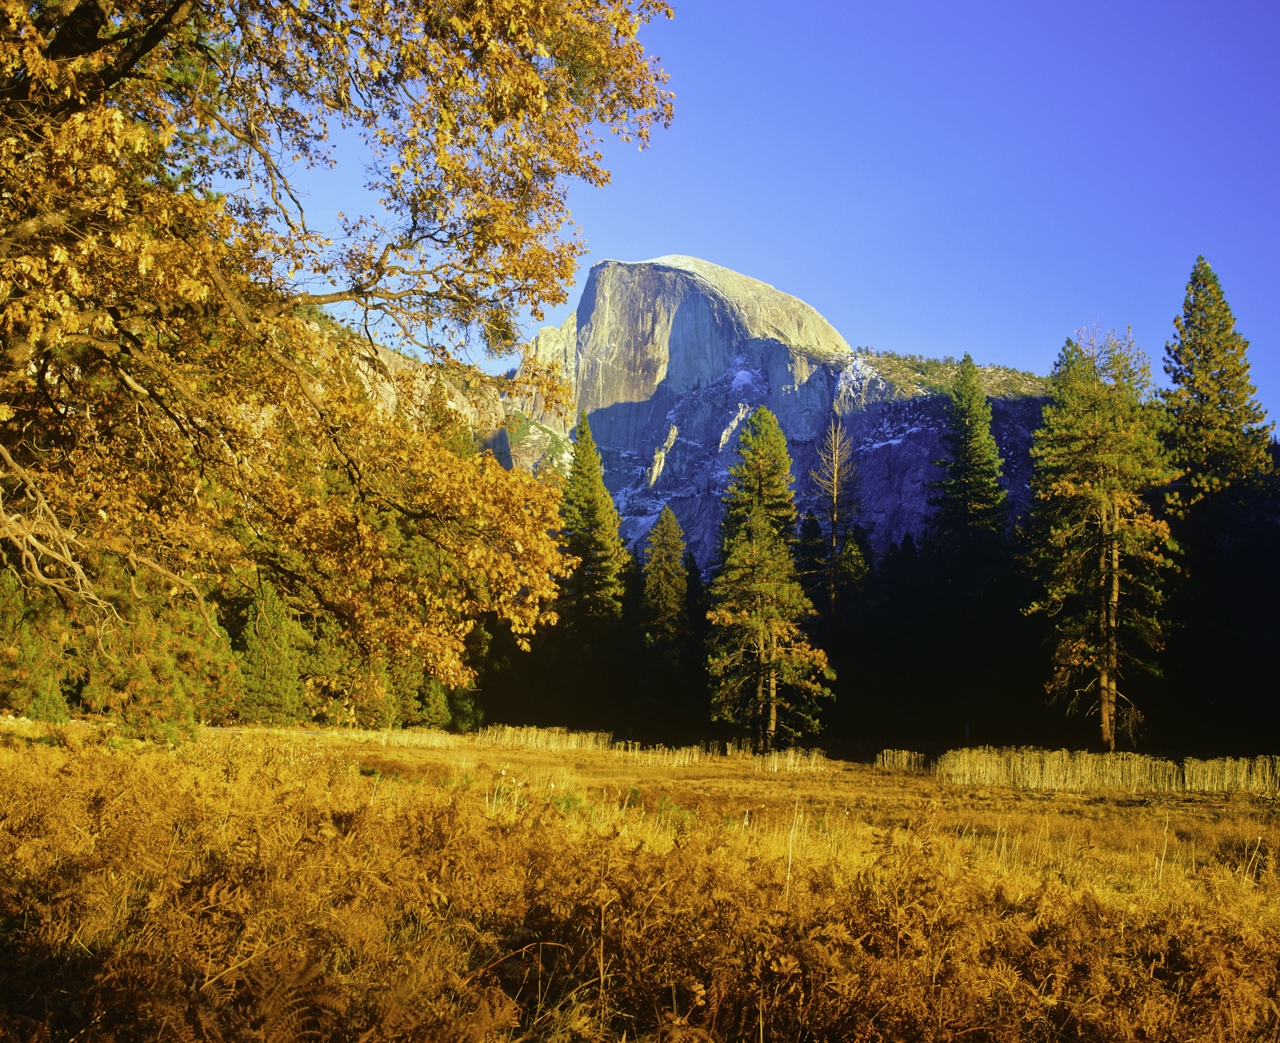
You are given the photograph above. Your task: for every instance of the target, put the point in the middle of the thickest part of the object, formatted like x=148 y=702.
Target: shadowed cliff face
x=668 y=358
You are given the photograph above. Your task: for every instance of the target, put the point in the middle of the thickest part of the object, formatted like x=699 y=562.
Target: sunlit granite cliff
x=669 y=356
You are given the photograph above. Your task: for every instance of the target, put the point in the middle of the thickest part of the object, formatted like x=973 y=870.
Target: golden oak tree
x=167 y=404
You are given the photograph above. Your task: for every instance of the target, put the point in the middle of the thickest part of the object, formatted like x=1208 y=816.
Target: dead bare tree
x=836 y=478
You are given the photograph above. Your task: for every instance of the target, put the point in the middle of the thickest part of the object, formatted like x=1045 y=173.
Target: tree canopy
x=1101 y=550
x=594 y=587
x=171 y=400
x=760 y=478
x=1217 y=430
x=765 y=672
x=969 y=502
x=666 y=581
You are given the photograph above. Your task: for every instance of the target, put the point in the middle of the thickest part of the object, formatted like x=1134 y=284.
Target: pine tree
x=161 y=671
x=970 y=511
x=1101 y=551
x=851 y=566
x=696 y=602
x=970 y=589
x=766 y=674
x=270 y=663
x=35 y=666
x=590 y=521
x=1220 y=511
x=433 y=700
x=1218 y=433
x=761 y=478
x=811 y=557
x=666 y=584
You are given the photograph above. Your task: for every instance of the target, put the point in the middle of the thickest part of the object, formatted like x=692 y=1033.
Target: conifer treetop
x=970 y=499
x=761 y=478
x=589 y=529
x=1100 y=439
x=270 y=668
x=666 y=582
x=1219 y=432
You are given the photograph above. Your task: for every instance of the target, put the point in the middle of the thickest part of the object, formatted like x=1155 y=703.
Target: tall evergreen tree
x=1218 y=432
x=270 y=663
x=811 y=557
x=761 y=478
x=666 y=584
x=766 y=674
x=594 y=590
x=696 y=600
x=971 y=592
x=970 y=511
x=1101 y=551
x=1222 y=609
x=432 y=710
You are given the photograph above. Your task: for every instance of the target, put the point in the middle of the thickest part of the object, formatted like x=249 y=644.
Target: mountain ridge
x=667 y=357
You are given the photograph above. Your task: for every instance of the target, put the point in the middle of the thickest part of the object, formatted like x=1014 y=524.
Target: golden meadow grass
x=1124 y=772
x=418 y=886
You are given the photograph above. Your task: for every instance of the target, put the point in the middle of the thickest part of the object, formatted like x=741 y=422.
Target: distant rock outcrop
x=669 y=356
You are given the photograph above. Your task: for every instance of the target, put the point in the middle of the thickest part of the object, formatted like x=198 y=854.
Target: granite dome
x=669 y=356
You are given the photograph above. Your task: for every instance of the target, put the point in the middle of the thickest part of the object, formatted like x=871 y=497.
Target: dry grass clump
x=1033 y=769
x=256 y=886
x=561 y=740
x=1060 y=770
x=900 y=760
x=1259 y=775
x=498 y=736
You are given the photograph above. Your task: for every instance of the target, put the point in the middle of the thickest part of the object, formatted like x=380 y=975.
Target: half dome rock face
x=668 y=357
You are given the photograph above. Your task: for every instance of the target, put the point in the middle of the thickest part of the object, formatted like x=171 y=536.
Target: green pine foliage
x=466 y=713
x=160 y=671
x=271 y=661
x=766 y=674
x=760 y=480
x=1220 y=669
x=377 y=701
x=1218 y=434
x=34 y=661
x=152 y=666
x=968 y=597
x=851 y=566
x=811 y=557
x=594 y=590
x=969 y=501
x=666 y=583
x=434 y=705
x=669 y=694
x=1100 y=551
x=697 y=602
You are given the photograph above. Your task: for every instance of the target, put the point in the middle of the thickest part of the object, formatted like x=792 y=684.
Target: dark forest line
x=1133 y=607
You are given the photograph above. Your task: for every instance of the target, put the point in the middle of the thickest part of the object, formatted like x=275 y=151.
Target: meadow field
x=526 y=885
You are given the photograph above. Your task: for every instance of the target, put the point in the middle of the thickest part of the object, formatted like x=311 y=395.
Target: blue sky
x=987 y=177
x=938 y=178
